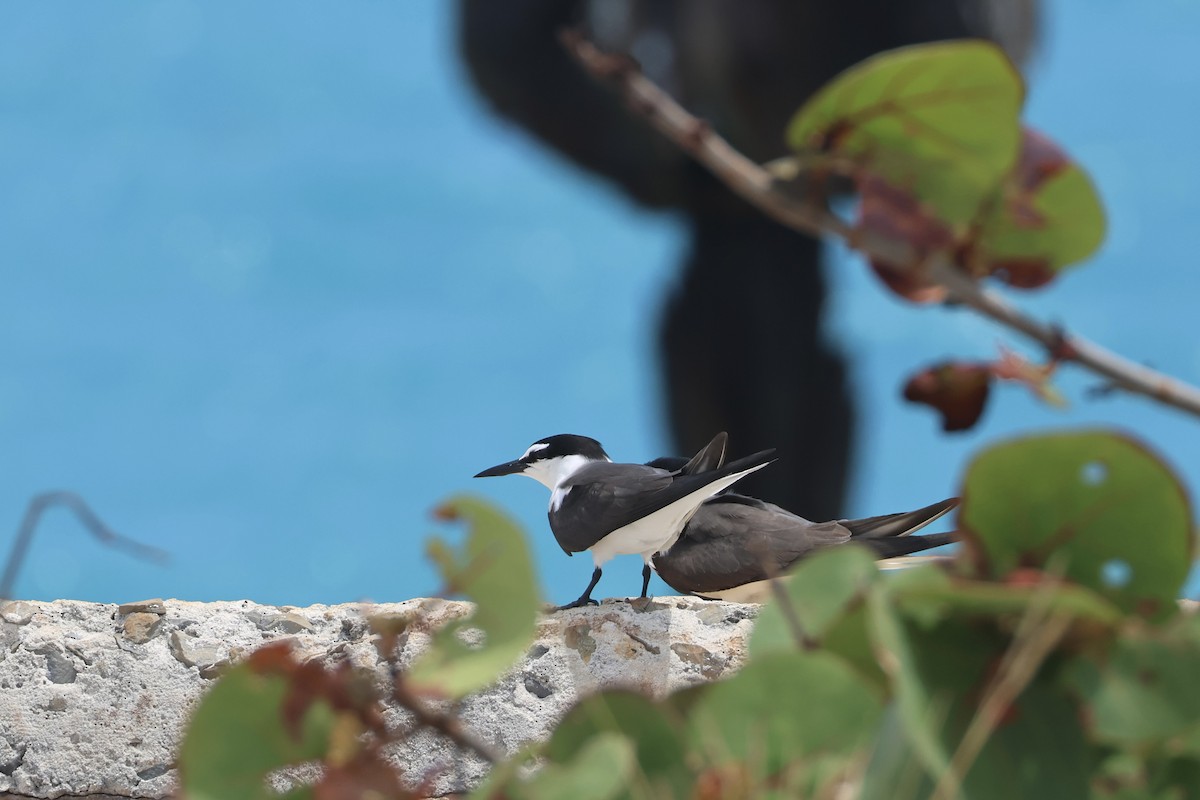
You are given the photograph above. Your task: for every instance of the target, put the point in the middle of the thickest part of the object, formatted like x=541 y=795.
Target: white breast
x=656 y=532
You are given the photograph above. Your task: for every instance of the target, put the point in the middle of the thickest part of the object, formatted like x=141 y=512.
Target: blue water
x=273 y=284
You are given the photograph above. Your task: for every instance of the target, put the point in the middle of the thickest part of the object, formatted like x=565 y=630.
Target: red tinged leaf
x=958 y=391
x=368 y=777
x=1039 y=160
x=1044 y=218
x=896 y=213
x=1023 y=273
x=273 y=659
x=344 y=688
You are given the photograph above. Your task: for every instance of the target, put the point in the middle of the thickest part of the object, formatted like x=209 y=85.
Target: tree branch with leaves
x=952 y=189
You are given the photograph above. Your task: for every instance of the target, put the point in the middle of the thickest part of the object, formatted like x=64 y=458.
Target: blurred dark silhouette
x=742 y=341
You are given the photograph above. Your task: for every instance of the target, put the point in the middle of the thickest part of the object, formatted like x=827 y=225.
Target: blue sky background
x=274 y=283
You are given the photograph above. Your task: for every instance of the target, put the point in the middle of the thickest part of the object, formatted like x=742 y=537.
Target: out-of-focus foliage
x=1017 y=669
x=1048 y=659
x=1098 y=506
x=275 y=711
x=495 y=570
x=936 y=120
x=932 y=139
x=951 y=678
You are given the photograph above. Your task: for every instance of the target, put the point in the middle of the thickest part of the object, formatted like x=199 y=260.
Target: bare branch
x=447 y=725
x=756 y=185
x=74 y=503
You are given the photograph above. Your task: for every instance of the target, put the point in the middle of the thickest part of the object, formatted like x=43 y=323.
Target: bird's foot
x=580 y=603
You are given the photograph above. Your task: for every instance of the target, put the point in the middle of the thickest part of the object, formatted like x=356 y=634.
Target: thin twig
x=756 y=185
x=74 y=503
x=784 y=601
x=444 y=724
x=779 y=592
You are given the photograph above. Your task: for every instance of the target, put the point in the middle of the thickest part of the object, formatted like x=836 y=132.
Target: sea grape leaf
x=1096 y=505
x=240 y=733
x=1046 y=217
x=781 y=707
x=942 y=672
x=493 y=569
x=819 y=590
x=602 y=769
x=921 y=704
x=1143 y=689
x=958 y=391
x=1038 y=751
x=654 y=730
x=894 y=213
x=937 y=119
x=942 y=595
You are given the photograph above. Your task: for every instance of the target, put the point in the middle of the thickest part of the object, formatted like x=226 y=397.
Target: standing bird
x=619 y=509
x=734 y=544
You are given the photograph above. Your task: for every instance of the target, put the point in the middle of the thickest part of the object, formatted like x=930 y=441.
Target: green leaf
x=782 y=707
x=894 y=771
x=820 y=591
x=938 y=119
x=495 y=571
x=237 y=736
x=941 y=672
x=601 y=770
x=1096 y=506
x=1144 y=689
x=946 y=595
x=653 y=729
x=1046 y=217
x=1039 y=751
x=921 y=703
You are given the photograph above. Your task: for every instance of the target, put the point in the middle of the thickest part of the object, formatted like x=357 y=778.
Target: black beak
x=507 y=468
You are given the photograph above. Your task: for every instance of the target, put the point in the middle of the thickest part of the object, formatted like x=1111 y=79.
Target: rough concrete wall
x=93 y=697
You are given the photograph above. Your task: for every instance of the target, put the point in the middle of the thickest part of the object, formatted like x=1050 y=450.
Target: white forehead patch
x=533 y=448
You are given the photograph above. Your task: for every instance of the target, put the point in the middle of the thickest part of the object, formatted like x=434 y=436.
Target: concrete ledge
x=93 y=697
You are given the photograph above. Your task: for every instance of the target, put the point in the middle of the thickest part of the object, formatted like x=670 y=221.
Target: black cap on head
x=564 y=444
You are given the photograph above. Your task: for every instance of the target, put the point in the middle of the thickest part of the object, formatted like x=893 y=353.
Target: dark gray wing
x=890 y=525
x=603 y=497
x=734 y=540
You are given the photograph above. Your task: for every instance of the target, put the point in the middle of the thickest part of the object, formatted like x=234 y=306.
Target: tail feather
x=892 y=525
x=907 y=545
x=710 y=458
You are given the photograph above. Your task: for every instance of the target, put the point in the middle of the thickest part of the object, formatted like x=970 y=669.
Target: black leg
x=645 y=579
x=585 y=599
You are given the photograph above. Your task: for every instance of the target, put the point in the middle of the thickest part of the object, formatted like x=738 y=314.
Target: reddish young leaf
x=956 y=390
x=896 y=213
x=1013 y=367
x=367 y=777
x=343 y=687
